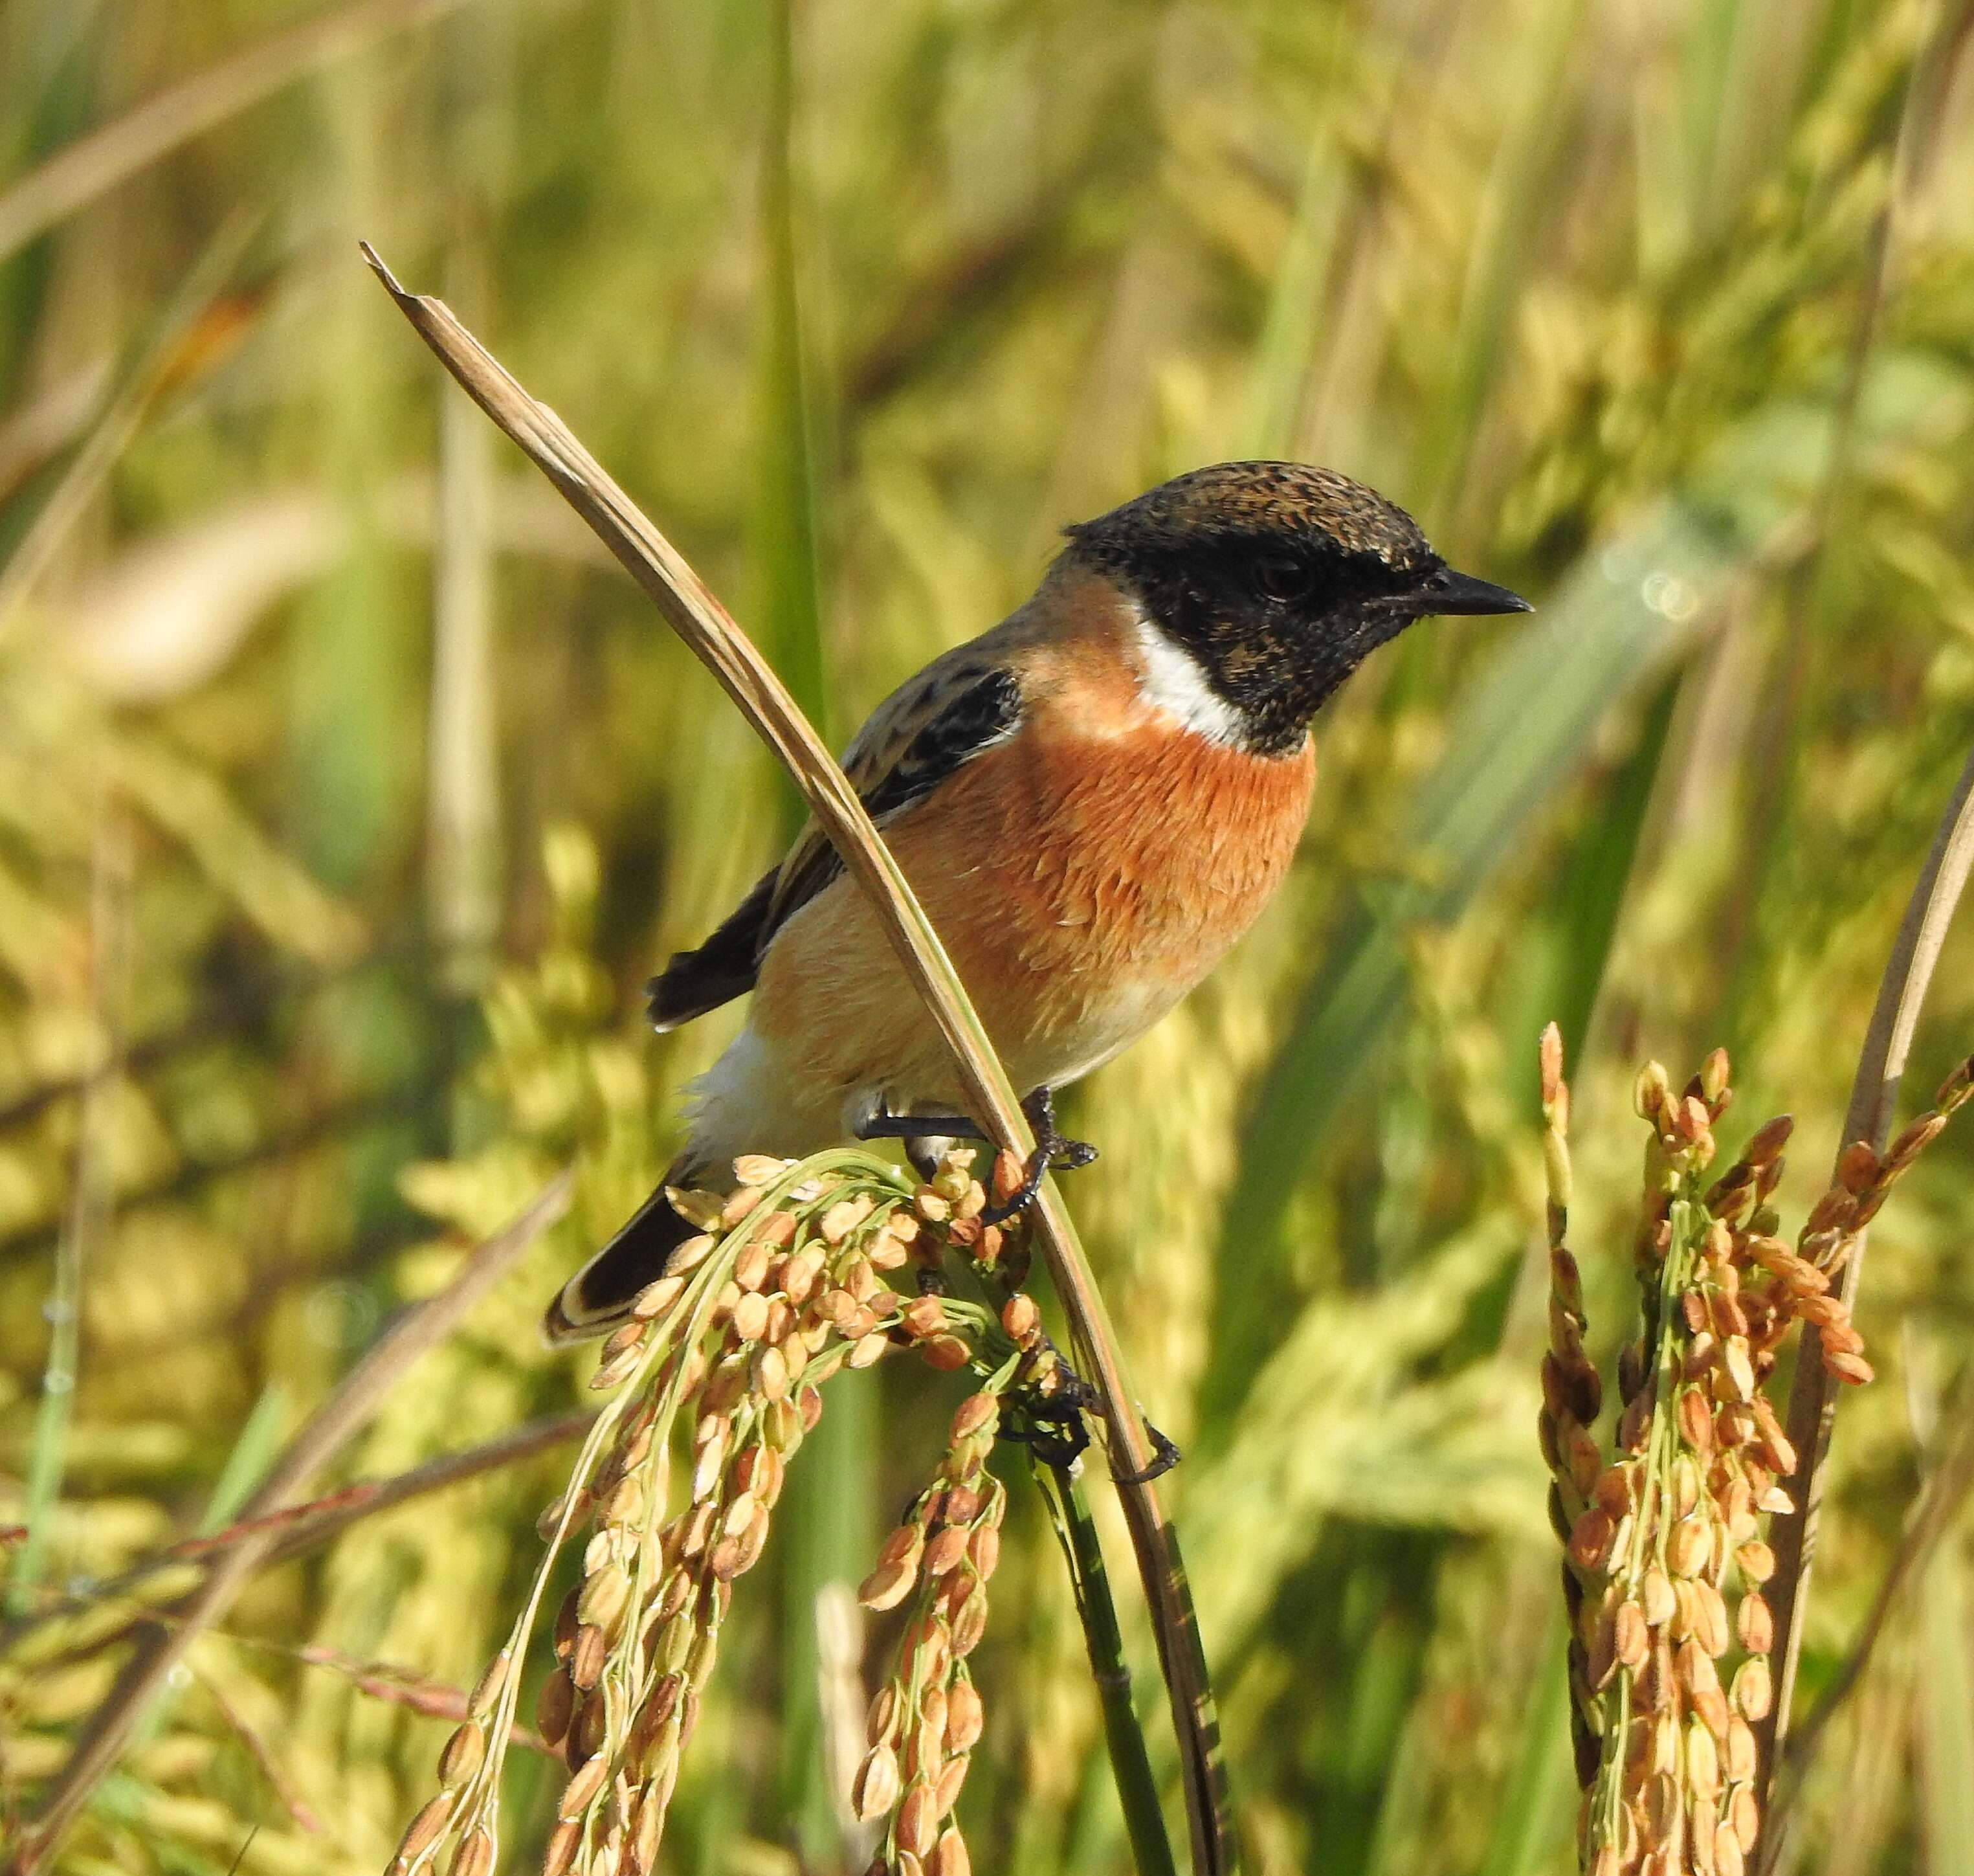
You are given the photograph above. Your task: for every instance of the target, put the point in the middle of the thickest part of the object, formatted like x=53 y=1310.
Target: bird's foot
x=925 y=1138
x=1055 y=1426
x=1165 y=1456
x=1054 y=1152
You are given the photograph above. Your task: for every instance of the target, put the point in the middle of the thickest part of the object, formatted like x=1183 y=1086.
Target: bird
x=1093 y=801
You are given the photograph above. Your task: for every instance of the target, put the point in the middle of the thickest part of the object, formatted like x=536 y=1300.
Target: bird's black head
x=1275 y=580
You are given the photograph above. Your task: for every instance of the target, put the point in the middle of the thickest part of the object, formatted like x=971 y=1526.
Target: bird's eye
x=1281 y=579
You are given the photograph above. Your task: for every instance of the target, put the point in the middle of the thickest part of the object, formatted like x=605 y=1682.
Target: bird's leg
x=922 y=1133
x=1051 y=1149
x=923 y=1136
x=885 y=1125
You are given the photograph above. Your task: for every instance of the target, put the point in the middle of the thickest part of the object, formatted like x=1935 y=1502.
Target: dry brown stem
x=698 y=617
x=1813 y=1398
x=296 y=1530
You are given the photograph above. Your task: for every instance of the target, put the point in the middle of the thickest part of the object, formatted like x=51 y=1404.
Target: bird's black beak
x=1448 y=592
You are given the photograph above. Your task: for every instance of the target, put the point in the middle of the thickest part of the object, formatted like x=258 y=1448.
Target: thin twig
x=1812 y=1397
x=147 y=374
x=298 y=1529
x=80 y=172
x=339 y=1419
x=292 y=1802
x=1946 y=1493
x=699 y=618
x=417 y=1692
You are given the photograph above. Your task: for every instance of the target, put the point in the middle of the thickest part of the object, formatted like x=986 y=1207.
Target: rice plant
x=349 y=791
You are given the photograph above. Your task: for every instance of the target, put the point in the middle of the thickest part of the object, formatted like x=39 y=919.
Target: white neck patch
x=1171 y=679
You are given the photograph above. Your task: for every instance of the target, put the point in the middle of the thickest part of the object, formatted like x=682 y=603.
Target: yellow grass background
x=347 y=794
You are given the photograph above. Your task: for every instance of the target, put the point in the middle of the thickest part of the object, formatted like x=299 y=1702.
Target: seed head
x=1754 y=1691
x=876 y=1787
x=474 y=1856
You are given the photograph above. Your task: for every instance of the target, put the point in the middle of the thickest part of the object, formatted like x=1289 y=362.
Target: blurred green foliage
x=346 y=795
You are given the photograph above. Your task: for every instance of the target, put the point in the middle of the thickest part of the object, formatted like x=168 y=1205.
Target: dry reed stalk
x=692 y=610
x=291 y=1532
x=1812 y=1405
x=1666 y=1567
x=725 y=1357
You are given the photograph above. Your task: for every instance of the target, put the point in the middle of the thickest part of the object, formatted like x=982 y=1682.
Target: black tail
x=599 y=1296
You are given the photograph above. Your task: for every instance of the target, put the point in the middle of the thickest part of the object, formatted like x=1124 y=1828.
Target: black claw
x=1024 y=1195
x=1165 y=1456
x=1056 y=1433
x=1052 y=1426
x=1053 y=1151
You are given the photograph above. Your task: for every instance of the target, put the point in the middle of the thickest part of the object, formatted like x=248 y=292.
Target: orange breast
x=1132 y=861
x=1083 y=876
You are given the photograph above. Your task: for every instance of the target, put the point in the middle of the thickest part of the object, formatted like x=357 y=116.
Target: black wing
x=970 y=720
x=721 y=969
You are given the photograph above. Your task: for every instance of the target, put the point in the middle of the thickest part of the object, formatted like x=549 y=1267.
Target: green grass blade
x=1946 y=1687
x=1290 y=331
x=86 y=1214
x=353 y=652
x=830 y=1514
x=127 y=400
x=827 y=1515
x=464 y=860
x=781 y=525
x=47 y=81
x=1593 y=892
x=253 y=1453
x=1512 y=205
x=1131 y=1762
x=1533 y=1822
x=1710 y=33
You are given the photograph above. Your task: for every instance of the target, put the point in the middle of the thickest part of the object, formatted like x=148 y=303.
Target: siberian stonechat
x=1093 y=801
